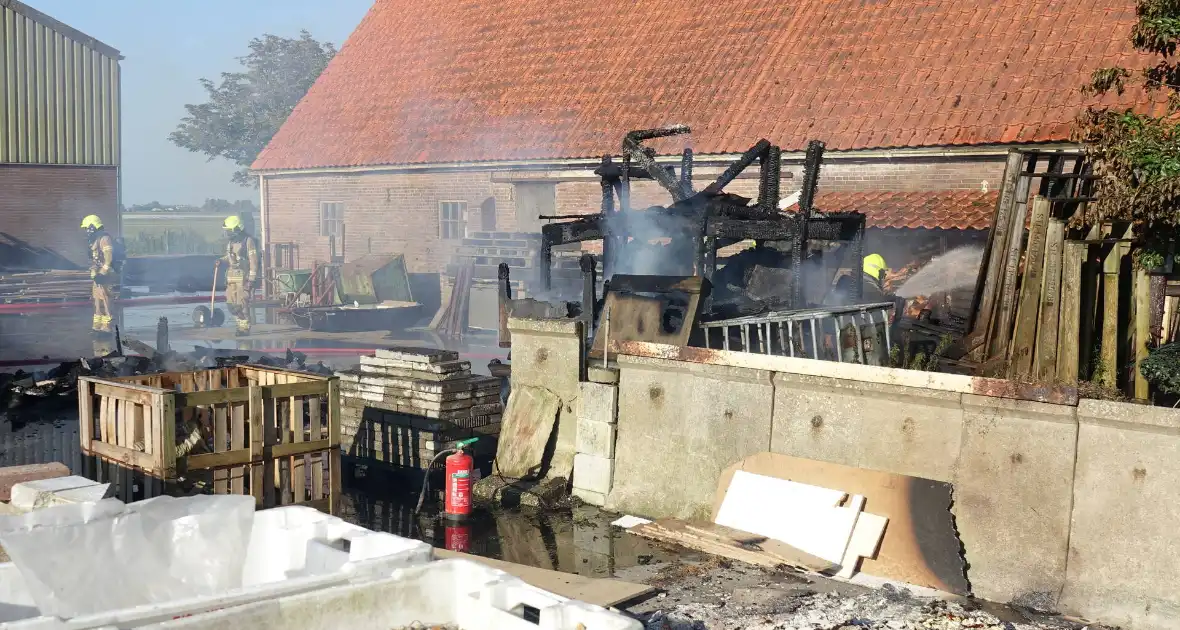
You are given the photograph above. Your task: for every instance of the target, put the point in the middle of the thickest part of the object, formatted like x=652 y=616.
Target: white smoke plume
x=955 y=269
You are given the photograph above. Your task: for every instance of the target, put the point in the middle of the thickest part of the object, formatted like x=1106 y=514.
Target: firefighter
x=874 y=278
x=103 y=271
x=243 y=273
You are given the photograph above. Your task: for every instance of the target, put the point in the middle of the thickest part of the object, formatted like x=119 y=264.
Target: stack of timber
x=45 y=286
x=403 y=406
x=1048 y=295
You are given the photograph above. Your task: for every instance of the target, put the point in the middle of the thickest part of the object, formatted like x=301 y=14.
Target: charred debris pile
x=783 y=271
x=26 y=396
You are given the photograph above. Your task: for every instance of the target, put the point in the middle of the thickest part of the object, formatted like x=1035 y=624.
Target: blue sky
x=168 y=45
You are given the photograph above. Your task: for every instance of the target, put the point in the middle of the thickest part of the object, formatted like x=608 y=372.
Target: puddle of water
x=579 y=541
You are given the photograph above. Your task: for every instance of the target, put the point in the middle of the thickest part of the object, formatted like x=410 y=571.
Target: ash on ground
x=719 y=595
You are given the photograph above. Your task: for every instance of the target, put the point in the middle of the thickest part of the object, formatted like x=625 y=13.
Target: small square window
x=451 y=217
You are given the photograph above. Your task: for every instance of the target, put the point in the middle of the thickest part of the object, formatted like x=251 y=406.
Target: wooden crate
x=275 y=433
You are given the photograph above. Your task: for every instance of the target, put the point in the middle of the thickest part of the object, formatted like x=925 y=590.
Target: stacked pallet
x=45 y=286
x=487 y=250
x=403 y=406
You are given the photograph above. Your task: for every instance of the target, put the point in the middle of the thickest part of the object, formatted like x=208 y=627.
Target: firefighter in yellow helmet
x=243 y=272
x=104 y=271
x=874 y=272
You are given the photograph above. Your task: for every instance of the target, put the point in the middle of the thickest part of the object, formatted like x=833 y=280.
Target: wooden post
x=1047 y=329
x=165 y=414
x=85 y=414
x=1069 y=331
x=994 y=255
x=1108 y=374
x=1024 y=337
x=334 y=446
x=257 y=444
x=1141 y=308
x=1006 y=304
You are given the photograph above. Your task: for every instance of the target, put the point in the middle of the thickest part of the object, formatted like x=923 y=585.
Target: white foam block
x=806 y=517
x=866 y=537
x=628 y=521
x=31 y=495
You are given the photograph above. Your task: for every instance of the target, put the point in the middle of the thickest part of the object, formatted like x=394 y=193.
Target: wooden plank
x=214 y=397
x=298 y=469
x=206 y=461
x=334 y=469
x=149 y=430
x=165 y=414
x=1141 y=304
x=1108 y=360
x=257 y=444
x=143 y=396
x=122 y=425
x=270 y=427
x=995 y=255
x=1001 y=328
x=317 y=461
x=286 y=390
x=291 y=449
x=1047 y=328
x=237 y=420
x=1024 y=336
x=138 y=429
x=600 y=592
x=125 y=456
x=220 y=445
x=1070 y=308
x=85 y=412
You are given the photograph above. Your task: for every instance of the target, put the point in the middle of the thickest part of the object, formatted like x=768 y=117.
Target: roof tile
x=487 y=80
x=945 y=209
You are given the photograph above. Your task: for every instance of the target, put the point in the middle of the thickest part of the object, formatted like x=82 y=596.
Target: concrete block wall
x=595 y=459
x=548 y=354
x=1058 y=503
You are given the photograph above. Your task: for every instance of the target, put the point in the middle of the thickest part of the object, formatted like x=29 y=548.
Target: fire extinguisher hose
x=426 y=478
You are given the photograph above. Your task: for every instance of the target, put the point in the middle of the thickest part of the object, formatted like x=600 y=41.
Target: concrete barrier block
x=596 y=438
x=548 y=353
x=904 y=430
x=593 y=473
x=12 y=475
x=597 y=499
x=1124 y=536
x=1013 y=496
x=598 y=403
x=680 y=425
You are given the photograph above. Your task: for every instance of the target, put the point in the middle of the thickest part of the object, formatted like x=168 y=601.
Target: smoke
x=955 y=269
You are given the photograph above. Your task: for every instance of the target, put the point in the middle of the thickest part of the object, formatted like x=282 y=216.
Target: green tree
x=1137 y=152
x=245 y=110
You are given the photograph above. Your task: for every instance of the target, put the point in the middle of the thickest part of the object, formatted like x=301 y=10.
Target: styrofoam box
x=292 y=549
x=455 y=592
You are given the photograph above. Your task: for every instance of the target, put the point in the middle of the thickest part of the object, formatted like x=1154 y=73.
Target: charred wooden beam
x=772 y=172
x=811 y=166
x=735 y=169
x=632 y=146
x=686 y=170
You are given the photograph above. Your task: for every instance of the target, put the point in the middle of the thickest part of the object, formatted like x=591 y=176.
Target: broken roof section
x=434 y=81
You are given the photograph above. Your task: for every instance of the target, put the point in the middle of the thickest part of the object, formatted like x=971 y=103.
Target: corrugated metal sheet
x=59 y=92
x=41 y=443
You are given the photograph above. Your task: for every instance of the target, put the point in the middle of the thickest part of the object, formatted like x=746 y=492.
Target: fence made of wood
x=269 y=433
x=1058 y=301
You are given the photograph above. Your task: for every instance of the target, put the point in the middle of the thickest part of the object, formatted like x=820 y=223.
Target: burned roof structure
x=698 y=223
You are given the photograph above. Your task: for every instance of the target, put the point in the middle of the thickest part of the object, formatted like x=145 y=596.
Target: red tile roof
x=429 y=81
x=945 y=209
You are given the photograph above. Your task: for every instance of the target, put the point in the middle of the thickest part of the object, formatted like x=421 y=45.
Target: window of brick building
x=450 y=219
x=331 y=218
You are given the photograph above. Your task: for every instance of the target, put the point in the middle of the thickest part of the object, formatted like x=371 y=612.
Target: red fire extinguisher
x=460 y=476
x=458 y=538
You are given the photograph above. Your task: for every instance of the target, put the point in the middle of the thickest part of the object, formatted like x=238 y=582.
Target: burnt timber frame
x=714 y=218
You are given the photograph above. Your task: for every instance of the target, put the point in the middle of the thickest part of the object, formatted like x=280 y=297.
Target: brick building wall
x=42 y=207
x=400 y=212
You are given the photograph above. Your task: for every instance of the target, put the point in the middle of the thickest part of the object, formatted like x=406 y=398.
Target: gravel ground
x=720 y=595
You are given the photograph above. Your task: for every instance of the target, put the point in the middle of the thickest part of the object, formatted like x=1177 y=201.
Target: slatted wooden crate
x=275 y=434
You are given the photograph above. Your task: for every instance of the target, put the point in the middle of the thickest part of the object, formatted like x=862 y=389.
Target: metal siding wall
x=59 y=98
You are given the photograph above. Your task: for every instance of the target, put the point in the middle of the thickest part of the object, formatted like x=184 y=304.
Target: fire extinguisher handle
x=461 y=444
